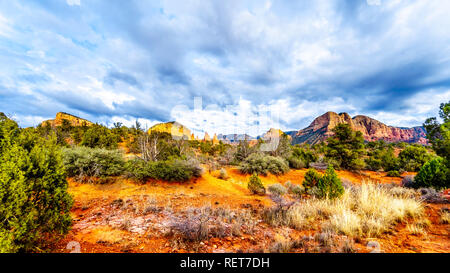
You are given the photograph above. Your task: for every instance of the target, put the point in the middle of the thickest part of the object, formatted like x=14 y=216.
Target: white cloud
x=73 y=2
x=373 y=2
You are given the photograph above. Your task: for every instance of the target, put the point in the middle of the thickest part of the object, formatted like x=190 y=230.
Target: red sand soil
x=97 y=221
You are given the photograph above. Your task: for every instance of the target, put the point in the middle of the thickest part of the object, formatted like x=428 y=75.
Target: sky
x=224 y=66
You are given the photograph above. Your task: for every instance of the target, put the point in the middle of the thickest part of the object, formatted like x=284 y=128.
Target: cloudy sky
x=224 y=66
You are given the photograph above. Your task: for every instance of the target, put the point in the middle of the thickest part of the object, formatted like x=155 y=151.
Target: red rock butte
x=321 y=128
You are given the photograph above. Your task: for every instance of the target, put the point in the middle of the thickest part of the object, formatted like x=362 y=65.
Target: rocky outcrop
x=206 y=137
x=175 y=129
x=215 y=140
x=61 y=116
x=321 y=128
x=273 y=133
x=234 y=138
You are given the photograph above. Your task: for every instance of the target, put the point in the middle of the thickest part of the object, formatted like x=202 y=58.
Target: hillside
x=74 y=120
x=321 y=128
x=174 y=128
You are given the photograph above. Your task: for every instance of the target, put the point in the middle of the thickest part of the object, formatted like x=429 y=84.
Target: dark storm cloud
x=139 y=59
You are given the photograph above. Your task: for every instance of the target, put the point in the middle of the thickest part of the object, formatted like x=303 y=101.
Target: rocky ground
x=215 y=215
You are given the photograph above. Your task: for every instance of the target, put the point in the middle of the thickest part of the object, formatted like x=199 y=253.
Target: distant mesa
x=321 y=129
x=74 y=120
x=176 y=129
x=318 y=131
x=274 y=133
x=234 y=138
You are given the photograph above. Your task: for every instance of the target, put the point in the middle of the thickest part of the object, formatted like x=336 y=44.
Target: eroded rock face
x=321 y=128
x=215 y=140
x=206 y=137
x=61 y=116
x=175 y=129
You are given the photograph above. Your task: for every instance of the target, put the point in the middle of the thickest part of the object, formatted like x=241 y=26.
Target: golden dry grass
x=368 y=210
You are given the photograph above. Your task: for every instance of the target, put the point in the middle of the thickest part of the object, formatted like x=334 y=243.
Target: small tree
x=312 y=177
x=255 y=185
x=433 y=174
x=329 y=185
x=35 y=205
x=412 y=158
x=346 y=147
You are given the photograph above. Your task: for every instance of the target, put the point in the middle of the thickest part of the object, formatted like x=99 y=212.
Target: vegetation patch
x=264 y=164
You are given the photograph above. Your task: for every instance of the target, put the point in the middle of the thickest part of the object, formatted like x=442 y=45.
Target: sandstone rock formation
x=175 y=129
x=273 y=133
x=320 y=129
x=206 y=137
x=215 y=140
x=61 y=116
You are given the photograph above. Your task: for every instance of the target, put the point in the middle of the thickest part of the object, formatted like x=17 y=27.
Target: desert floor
x=130 y=217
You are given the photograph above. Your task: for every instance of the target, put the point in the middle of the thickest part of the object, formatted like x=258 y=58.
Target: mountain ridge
x=321 y=128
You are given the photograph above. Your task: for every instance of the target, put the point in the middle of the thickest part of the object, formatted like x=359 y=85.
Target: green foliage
x=412 y=158
x=277 y=189
x=439 y=134
x=329 y=185
x=170 y=170
x=312 y=177
x=382 y=158
x=346 y=147
x=35 y=204
x=243 y=151
x=373 y=163
x=393 y=173
x=255 y=185
x=263 y=164
x=85 y=163
x=301 y=157
x=433 y=174
x=98 y=136
x=436 y=173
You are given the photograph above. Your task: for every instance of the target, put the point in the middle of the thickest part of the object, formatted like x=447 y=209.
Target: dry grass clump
x=415 y=229
x=281 y=244
x=445 y=217
x=199 y=224
x=367 y=210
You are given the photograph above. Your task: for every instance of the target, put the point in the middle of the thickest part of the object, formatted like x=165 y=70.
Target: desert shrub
x=393 y=173
x=330 y=185
x=312 y=177
x=434 y=174
x=223 y=174
x=255 y=185
x=294 y=189
x=301 y=157
x=277 y=189
x=412 y=158
x=35 y=205
x=296 y=163
x=408 y=181
x=263 y=164
x=85 y=163
x=98 y=136
x=171 y=170
x=373 y=164
x=297 y=190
